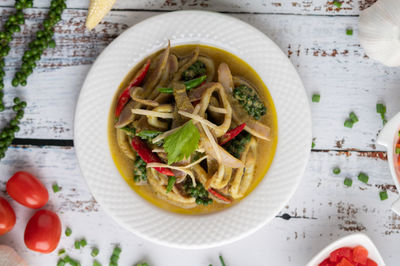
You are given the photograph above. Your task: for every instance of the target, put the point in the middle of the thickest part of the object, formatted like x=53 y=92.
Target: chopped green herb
x=348 y=123
x=139 y=172
x=237 y=145
x=95 y=252
x=337 y=4
x=96 y=263
x=316 y=98
x=171 y=182
x=363 y=178
x=383 y=195
x=353 y=117
x=142 y=264
x=312 y=145
x=117 y=250
x=129 y=130
x=68 y=231
x=56 y=188
x=336 y=170
x=83 y=242
x=60 y=262
x=77 y=244
x=249 y=100
x=397 y=150
x=198 y=192
x=182 y=143
x=115 y=256
x=61 y=252
x=222 y=260
x=114 y=259
x=196 y=70
x=348 y=181
x=349 y=31
x=148 y=134
x=381 y=109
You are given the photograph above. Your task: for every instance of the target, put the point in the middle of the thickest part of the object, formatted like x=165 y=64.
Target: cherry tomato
x=27 y=190
x=43 y=232
x=7 y=216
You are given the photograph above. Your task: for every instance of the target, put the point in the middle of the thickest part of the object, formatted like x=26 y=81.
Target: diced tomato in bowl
x=347 y=256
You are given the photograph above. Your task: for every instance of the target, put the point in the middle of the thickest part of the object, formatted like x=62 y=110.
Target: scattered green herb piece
x=349 y=31
x=95 y=252
x=383 y=195
x=56 y=188
x=353 y=117
x=198 y=192
x=129 y=130
x=171 y=182
x=96 y=263
x=348 y=123
x=363 y=178
x=196 y=70
x=60 y=262
x=83 y=242
x=71 y=261
x=336 y=170
x=337 y=4
x=316 y=98
x=117 y=250
x=115 y=256
x=148 y=134
x=222 y=260
x=381 y=109
x=250 y=101
x=348 y=181
x=182 y=143
x=61 y=252
x=77 y=244
x=139 y=172
x=236 y=146
x=68 y=231
x=397 y=150
x=313 y=145
x=142 y=264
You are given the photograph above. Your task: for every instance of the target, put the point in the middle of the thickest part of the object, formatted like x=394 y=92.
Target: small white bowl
x=349 y=241
x=387 y=138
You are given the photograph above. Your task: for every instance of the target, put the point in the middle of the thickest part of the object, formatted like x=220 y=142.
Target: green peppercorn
x=15 y=82
x=29 y=4
x=16 y=128
x=2 y=35
x=23 y=104
x=1 y=107
x=52 y=44
x=23 y=82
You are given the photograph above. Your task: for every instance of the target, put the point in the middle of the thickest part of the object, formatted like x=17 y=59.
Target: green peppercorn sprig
x=7 y=135
x=11 y=26
x=43 y=40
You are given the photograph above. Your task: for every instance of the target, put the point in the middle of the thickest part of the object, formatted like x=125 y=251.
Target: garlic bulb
x=97 y=10
x=379 y=31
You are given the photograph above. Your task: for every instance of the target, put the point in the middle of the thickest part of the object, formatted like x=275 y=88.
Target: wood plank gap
x=44 y=142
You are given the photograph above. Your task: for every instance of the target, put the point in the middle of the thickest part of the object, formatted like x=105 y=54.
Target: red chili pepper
x=231 y=134
x=136 y=81
x=148 y=156
x=221 y=197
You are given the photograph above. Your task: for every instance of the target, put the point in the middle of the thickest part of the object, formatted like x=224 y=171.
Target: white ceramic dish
x=387 y=138
x=349 y=241
x=294 y=126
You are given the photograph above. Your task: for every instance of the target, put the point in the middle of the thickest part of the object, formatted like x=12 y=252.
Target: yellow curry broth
x=266 y=149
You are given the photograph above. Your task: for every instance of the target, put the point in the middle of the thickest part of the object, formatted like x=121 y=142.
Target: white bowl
x=135 y=213
x=349 y=241
x=387 y=138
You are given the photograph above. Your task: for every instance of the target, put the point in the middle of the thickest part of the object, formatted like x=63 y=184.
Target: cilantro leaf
x=182 y=143
x=148 y=134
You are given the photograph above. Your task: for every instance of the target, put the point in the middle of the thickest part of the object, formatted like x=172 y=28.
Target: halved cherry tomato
x=360 y=255
x=27 y=190
x=344 y=262
x=7 y=216
x=43 y=231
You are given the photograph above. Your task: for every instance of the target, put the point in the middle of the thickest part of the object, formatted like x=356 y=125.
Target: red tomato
x=27 y=190
x=360 y=255
x=371 y=263
x=7 y=216
x=344 y=262
x=43 y=232
x=340 y=253
x=326 y=262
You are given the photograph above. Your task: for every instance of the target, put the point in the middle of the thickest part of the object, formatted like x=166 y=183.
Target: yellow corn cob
x=97 y=10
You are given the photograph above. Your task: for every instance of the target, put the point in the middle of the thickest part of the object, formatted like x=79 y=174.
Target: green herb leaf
x=56 y=188
x=182 y=143
x=83 y=242
x=222 y=260
x=96 y=263
x=315 y=98
x=171 y=182
x=348 y=182
x=68 y=231
x=380 y=108
x=336 y=170
x=337 y=3
x=383 y=195
x=363 y=178
x=142 y=264
x=61 y=252
x=129 y=130
x=353 y=117
x=95 y=252
x=148 y=134
x=349 y=31
x=348 y=123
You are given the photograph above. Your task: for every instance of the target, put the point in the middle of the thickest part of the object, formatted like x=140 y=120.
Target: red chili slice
x=136 y=81
x=218 y=195
x=231 y=134
x=148 y=156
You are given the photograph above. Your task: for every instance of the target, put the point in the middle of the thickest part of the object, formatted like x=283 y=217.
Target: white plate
x=294 y=126
x=349 y=241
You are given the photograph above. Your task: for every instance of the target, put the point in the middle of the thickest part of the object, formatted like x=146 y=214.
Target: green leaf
x=148 y=134
x=171 y=182
x=182 y=143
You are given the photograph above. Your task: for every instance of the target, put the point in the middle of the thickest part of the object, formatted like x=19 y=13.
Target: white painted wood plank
x=329 y=62
x=313 y=7
x=322 y=210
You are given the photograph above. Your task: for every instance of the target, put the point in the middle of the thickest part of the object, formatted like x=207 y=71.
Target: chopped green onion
x=315 y=98
x=397 y=150
x=117 y=250
x=77 y=244
x=60 y=262
x=83 y=242
x=68 y=231
x=115 y=256
x=336 y=170
x=56 y=188
x=380 y=108
x=96 y=263
x=337 y=4
x=363 y=178
x=353 y=117
x=145 y=264
x=348 y=123
x=171 y=182
x=222 y=260
x=383 y=195
x=348 y=181
x=349 y=31
x=95 y=252
x=313 y=145
x=61 y=251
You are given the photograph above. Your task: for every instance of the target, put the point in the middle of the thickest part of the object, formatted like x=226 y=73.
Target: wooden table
x=313 y=35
